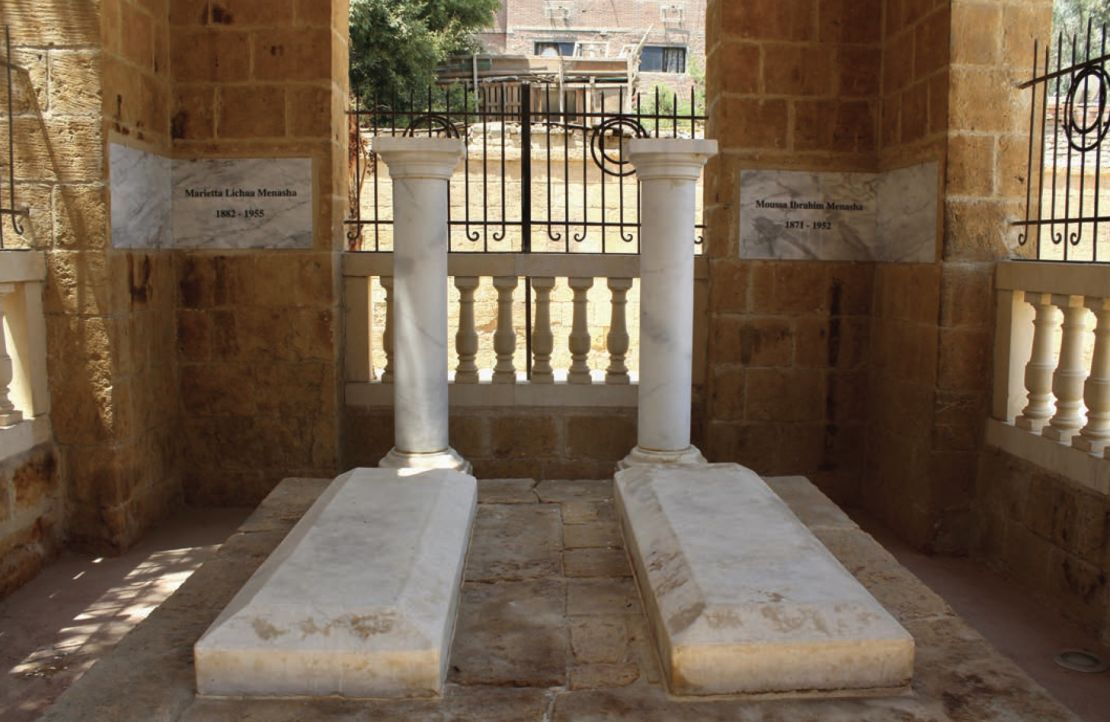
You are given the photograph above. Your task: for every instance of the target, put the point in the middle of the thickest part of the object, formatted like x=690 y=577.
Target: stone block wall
x=902 y=388
x=141 y=342
x=135 y=96
x=874 y=87
x=961 y=108
x=791 y=85
x=258 y=331
x=30 y=515
x=83 y=78
x=1049 y=533
x=531 y=443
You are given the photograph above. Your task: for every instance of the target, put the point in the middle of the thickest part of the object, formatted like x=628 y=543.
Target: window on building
x=662 y=59
x=554 y=49
x=592 y=49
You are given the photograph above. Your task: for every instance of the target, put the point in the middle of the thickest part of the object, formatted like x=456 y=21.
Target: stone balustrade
x=507 y=382
x=24 y=396
x=1052 y=368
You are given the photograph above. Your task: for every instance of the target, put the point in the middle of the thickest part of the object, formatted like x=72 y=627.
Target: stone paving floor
x=551 y=628
x=58 y=625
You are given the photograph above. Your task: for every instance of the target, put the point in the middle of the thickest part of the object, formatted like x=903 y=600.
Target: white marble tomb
x=742 y=598
x=359 y=600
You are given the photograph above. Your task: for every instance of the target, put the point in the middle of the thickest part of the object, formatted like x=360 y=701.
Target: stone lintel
x=359 y=600
x=742 y=598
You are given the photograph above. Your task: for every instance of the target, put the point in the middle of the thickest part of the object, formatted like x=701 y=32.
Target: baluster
x=1038 y=372
x=580 y=333
x=387 y=333
x=1071 y=372
x=8 y=413
x=504 y=339
x=617 y=340
x=1095 y=436
x=543 y=341
x=466 y=339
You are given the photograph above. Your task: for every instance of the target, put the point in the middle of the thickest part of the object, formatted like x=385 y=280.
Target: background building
x=664 y=42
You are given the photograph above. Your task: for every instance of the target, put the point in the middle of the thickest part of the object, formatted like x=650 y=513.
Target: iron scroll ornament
x=436 y=123
x=1085 y=135
x=1098 y=127
x=614 y=126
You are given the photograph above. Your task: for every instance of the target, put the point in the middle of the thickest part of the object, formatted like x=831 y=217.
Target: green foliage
x=397 y=44
x=1069 y=20
x=1070 y=16
x=662 y=99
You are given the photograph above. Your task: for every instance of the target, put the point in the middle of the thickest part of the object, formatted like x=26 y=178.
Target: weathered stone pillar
x=668 y=170
x=420 y=169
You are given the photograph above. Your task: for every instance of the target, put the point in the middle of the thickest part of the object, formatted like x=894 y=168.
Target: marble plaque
x=804 y=215
x=243 y=203
x=907 y=223
x=141 y=199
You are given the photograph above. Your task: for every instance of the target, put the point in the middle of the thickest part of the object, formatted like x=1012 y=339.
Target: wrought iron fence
x=544 y=169
x=1067 y=172
x=11 y=213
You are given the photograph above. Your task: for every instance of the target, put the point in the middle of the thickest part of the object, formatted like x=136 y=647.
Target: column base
x=1063 y=436
x=639 y=456
x=447 y=459
x=1094 y=447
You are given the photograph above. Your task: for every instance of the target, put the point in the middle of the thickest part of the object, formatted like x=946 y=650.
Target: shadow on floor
x=54 y=628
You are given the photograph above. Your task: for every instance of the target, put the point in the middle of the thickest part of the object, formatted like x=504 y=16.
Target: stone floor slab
x=742 y=598
x=808 y=503
x=360 y=598
x=587 y=597
x=557 y=490
x=514 y=542
x=599 y=535
x=506 y=491
x=511 y=633
x=901 y=593
x=595 y=563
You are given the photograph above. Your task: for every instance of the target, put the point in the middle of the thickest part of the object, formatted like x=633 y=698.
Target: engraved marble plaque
x=141 y=203
x=831 y=216
x=243 y=203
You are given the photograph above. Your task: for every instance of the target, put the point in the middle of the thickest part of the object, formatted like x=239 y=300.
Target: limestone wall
x=1047 y=532
x=791 y=85
x=258 y=339
x=31 y=523
x=83 y=79
x=135 y=111
x=902 y=388
x=170 y=369
x=933 y=325
x=533 y=443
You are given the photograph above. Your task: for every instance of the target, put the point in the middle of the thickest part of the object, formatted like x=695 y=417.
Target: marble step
x=359 y=600
x=742 y=598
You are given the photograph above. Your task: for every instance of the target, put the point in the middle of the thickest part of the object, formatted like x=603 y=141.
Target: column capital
x=677 y=158
x=434 y=158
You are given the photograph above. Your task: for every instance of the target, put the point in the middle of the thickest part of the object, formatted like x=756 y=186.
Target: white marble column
x=668 y=170
x=420 y=169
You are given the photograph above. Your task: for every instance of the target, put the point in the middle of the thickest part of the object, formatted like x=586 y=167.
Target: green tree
x=1070 y=17
x=397 y=44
